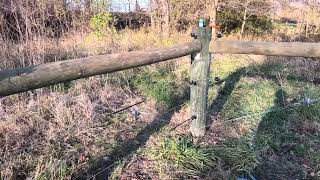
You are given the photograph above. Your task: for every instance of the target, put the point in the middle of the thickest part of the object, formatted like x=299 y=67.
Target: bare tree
x=306 y=12
x=165 y=14
x=310 y=14
x=154 y=13
x=87 y=6
x=249 y=8
x=213 y=16
x=160 y=16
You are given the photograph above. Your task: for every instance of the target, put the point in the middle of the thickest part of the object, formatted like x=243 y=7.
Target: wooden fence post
x=199 y=82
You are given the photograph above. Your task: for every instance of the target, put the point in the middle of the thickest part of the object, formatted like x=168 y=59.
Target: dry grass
x=67 y=131
x=61 y=130
x=55 y=132
x=281 y=144
x=76 y=44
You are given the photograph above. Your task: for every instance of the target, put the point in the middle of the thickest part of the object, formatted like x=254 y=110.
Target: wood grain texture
x=266 y=48
x=199 y=90
x=13 y=81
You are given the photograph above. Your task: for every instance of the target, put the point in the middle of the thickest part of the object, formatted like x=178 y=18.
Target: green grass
x=250 y=97
x=273 y=141
x=188 y=158
x=274 y=134
x=238 y=155
x=53 y=169
x=161 y=85
x=117 y=171
x=284 y=25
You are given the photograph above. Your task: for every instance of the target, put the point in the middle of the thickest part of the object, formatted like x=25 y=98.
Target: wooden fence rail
x=13 y=81
x=266 y=48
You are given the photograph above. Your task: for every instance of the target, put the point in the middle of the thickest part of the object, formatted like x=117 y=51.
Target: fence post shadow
x=223 y=95
x=103 y=168
x=230 y=82
x=271 y=122
x=161 y=120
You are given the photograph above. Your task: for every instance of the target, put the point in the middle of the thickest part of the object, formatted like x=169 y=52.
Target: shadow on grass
x=223 y=95
x=282 y=152
x=271 y=124
x=127 y=148
x=103 y=168
x=268 y=70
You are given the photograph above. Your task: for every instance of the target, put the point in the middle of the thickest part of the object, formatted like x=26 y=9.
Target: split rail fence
x=14 y=81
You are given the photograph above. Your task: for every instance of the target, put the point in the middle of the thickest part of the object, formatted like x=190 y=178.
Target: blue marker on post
x=202 y=23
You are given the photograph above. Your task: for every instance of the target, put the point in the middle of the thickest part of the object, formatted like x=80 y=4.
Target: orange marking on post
x=215 y=26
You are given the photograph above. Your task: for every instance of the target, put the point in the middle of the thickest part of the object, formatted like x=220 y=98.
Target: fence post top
x=202 y=33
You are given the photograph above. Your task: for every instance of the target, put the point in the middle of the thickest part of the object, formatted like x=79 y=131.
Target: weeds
x=161 y=86
x=53 y=169
x=57 y=132
x=117 y=171
x=239 y=155
x=191 y=159
x=158 y=86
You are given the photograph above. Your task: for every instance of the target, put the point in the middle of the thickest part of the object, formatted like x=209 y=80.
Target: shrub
x=99 y=23
x=231 y=22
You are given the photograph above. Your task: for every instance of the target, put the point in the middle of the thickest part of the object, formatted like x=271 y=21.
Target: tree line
x=26 y=19
x=243 y=16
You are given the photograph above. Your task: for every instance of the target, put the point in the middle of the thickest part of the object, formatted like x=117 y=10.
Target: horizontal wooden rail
x=266 y=48
x=13 y=81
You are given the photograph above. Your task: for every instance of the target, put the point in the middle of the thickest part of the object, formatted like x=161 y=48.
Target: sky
x=123 y=5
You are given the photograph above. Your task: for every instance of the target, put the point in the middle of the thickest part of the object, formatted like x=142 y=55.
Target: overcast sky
x=123 y=5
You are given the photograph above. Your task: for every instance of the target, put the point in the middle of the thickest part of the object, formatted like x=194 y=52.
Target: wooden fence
x=13 y=81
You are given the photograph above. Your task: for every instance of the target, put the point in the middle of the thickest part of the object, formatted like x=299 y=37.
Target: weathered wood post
x=199 y=82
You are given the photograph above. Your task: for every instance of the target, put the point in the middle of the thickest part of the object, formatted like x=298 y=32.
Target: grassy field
x=264 y=118
x=265 y=114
